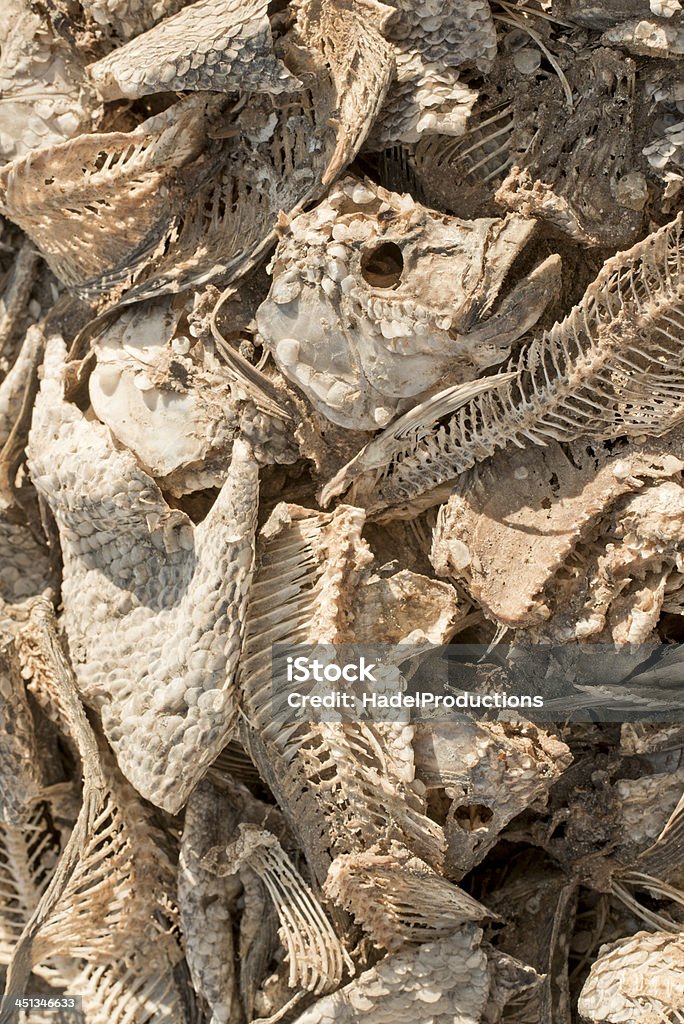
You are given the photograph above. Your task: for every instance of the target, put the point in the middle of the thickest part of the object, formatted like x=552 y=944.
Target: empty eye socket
x=382 y=266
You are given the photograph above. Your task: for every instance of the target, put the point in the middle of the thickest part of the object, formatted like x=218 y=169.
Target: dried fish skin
x=22 y=774
x=157 y=584
x=552 y=499
x=417 y=173
x=207 y=902
x=26 y=570
x=15 y=298
x=446 y=36
x=45 y=92
x=109 y=895
x=636 y=981
x=210 y=45
x=376 y=300
x=650 y=37
x=124 y=19
x=173 y=204
x=445 y=982
x=430 y=45
x=645 y=806
x=342 y=35
x=610 y=368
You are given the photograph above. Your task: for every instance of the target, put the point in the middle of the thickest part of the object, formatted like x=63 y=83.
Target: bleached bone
x=317 y=959
x=113 y=879
x=172 y=204
x=125 y=19
x=397 y=898
x=489 y=772
x=339 y=785
x=377 y=300
x=28 y=854
x=612 y=367
x=649 y=37
x=532 y=508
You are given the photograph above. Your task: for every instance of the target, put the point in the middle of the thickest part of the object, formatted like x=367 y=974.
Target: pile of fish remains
x=335 y=321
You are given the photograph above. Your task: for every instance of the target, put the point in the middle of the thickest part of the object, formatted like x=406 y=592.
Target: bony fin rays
x=612 y=367
x=112 y=877
x=317 y=959
x=407 y=431
x=397 y=898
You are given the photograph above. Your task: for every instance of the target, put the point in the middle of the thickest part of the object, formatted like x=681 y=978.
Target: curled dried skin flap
x=22 y=774
x=15 y=297
x=316 y=957
x=211 y=45
x=207 y=901
x=636 y=981
x=350 y=35
x=139 y=575
x=427 y=95
x=98 y=207
x=397 y=898
x=443 y=982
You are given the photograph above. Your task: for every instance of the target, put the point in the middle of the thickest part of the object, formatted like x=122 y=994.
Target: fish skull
x=376 y=300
